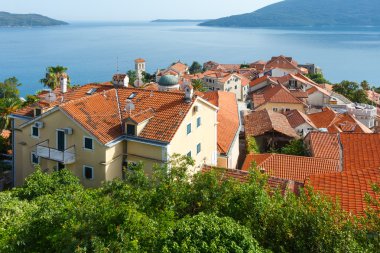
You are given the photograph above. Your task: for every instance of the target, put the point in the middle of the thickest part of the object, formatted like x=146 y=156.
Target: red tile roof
x=99 y=114
x=297 y=118
x=360 y=151
x=228 y=118
x=259 y=81
x=261 y=122
x=179 y=67
x=243 y=177
x=139 y=60
x=274 y=94
x=335 y=122
x=71 y=94
x=348 y=187
x=296 y=168
x=282 y=62
x=324 y=145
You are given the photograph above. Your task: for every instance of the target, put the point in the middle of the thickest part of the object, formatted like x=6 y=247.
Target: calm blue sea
x=90 y=50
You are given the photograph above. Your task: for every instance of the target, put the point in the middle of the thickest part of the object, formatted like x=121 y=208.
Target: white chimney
x=63 y=81
x=189 y=92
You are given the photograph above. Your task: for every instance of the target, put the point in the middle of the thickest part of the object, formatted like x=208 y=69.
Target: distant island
x=302 y=13
x=14 y=20
x=179 y=20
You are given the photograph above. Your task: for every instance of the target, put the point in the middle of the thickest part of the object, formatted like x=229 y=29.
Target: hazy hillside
x=8 y=19
x=307 y=13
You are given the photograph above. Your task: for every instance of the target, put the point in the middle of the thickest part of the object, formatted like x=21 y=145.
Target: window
x=235 y=87
x=275 y=109
x=37 y=112
x=88 y=172
x=198 y=148
x=188 y=128
x=189 y=154
x=131 y=129
x=88 y=143
x=35 y=132
x=35 y=159
x=199 y=122
x=60 y=166
x=287 y=110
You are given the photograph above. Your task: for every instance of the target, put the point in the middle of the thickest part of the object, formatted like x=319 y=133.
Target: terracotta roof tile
x=100 y=115
x=274 y=94
x=228 y=118
x=264 y=121
x=297 y=118
x=348 y=187
x=324 y=145
x=296 y=168
x=360 y=151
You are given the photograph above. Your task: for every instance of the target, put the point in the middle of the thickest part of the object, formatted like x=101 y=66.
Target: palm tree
x=53 y=75
x=198 y=85
x=7 y=107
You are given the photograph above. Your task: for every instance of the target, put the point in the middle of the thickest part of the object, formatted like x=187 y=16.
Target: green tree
x=198 y=85
x=365 y=85
x=9 y=88
x=252 y=147
x=295 y=147
x=132 y=77
x=352 y=91
x=209 y=233
x=7 y=107
x=53 y=75
x=244 y=66
x=195 y=68
x=318 y=78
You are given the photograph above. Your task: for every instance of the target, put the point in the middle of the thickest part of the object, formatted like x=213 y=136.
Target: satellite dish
x=50 y=97
x=129 y=106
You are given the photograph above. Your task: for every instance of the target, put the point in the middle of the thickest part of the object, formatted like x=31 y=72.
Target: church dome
x=168 y=80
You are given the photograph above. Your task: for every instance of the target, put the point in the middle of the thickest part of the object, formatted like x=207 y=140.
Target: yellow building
x=277 y=98
x=96 y=129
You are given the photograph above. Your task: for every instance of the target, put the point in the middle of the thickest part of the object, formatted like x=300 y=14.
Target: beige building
x=95 y=130
x=225 y=81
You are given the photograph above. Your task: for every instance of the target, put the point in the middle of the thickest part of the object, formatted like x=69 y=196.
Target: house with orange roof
x=228 y=127
x=348 y=188
x=278 y=99
x=334 y=122
x=281 y=65
x=300 y=122
x=270 y=129
x=211 y=65
x=288 y=167
x=97 y=129
x=177 y=69
x=225 y=81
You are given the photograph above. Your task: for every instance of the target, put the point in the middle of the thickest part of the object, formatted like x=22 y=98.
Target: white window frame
x=84 y=143
x=31 y=132
x=31 y=158
x=84 y=172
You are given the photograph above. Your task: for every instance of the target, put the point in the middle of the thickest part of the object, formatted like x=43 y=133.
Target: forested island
x=14 y=20
x=300 y=13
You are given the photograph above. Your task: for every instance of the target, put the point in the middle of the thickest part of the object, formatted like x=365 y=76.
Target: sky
x=123 y=10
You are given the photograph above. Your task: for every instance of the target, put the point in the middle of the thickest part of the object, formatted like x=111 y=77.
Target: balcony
x=66 y=157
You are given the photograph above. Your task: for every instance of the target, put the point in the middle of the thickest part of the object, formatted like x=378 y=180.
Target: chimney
x=63 y=82
x=189 y=93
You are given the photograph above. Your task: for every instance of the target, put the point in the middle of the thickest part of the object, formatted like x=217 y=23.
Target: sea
x=94 y=51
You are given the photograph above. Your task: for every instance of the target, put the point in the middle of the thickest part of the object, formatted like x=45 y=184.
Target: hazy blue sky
x=132 y=9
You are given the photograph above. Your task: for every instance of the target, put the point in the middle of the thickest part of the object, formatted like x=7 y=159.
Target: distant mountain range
x=180 y=20
x=293 y=13
x=9 y=19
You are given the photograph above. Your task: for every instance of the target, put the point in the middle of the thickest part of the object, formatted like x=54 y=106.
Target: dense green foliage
x=295 y=147
x=198 y=85
x=307 y=13
x=352 y=91
x=171 y=212
x=195 y=68
x=9 y=100
x=252 y=146
x=8 y=19
x=318 y=78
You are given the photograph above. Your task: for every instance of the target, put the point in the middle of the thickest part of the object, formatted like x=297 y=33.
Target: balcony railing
x=66 y=157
